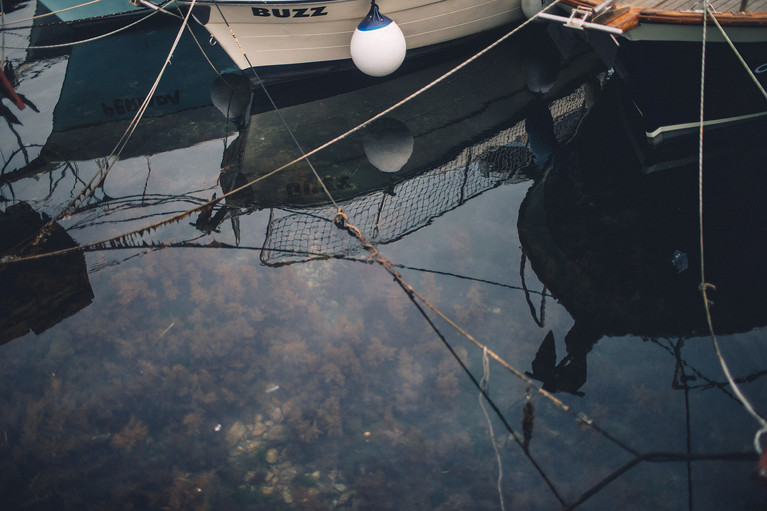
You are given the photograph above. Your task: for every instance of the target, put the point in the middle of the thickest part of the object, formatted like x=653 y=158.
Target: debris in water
x=679 y=261
x=166 y=330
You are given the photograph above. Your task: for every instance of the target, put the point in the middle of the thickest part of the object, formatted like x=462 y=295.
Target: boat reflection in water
x=179 y=113
x=40 y=293
x=427 y=157
x=480 y=129
x=616 y=240
x=37 y=294
x=192 y=369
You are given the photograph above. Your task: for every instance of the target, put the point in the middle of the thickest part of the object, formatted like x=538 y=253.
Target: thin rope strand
x=499 y=482
x=95 y=38
x=737 y=53
x=52 y=13
x=252 y=69
x=484 y=385
x=180 y=216
x=341 y=222
x=418 y=92
x=114 y=156
x=704 y=286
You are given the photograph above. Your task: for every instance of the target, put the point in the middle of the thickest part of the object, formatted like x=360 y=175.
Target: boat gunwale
x=266 y=2
x=636 y=15
x=280 y=2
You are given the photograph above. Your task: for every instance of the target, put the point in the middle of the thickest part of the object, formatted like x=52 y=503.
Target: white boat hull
x=258 y=34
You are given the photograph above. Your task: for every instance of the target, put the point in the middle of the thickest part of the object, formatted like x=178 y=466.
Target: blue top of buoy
x=374 y=20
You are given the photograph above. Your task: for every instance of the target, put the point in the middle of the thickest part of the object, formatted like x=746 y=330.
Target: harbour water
x=197 y=343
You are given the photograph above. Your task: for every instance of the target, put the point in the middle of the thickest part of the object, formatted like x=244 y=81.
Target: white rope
x=96 y=38
x=2 y=27
x=704 y=286
x=52 y=13
x=388 y=110
x=114 y=156
x=179 y=216
x=485 y=381
x=483 y=385
x=737 y=53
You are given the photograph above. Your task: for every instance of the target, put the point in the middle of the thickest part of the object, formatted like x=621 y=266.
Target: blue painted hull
x=99 y=98
x=101 y=9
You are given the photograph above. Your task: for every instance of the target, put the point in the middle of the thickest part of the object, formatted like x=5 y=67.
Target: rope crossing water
x=704 y=286
x=114 y=156
x=484 y=384
x=52 y=13
x=342 y=221
x=742 y=61
x=82 y=41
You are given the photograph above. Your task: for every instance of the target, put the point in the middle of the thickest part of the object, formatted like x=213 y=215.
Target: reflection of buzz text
x=312 y=188
x=128 y=105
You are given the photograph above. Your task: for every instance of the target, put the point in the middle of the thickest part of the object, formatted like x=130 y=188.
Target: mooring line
x=52 y=13
x=114 y=156
x=121 y=238
x=2 y=27
x=732 y=46
x=82 y=41
x=376 y=257
x=581 y=418
x=252 y=69
x=342 y=222
x=105 y=168
x=705 y=286
x=388 y=110
x=656 y=457
x=479 y=386
x=204 y=54
x=484 y=384
x=131 y=235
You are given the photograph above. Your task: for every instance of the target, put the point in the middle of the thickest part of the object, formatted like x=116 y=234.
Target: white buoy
x=378 y=46
x=388 y=144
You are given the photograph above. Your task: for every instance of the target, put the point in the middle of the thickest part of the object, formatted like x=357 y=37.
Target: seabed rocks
x=272 y=474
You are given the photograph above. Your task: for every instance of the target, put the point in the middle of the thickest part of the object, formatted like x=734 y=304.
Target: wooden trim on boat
x=628 y=20
x=635 y=15
x=745 y=19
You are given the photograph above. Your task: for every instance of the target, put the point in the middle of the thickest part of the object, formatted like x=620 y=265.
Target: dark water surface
x=255 y=355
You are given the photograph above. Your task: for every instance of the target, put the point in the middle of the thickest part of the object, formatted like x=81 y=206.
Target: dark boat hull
x=665 y=81
x=661 y=67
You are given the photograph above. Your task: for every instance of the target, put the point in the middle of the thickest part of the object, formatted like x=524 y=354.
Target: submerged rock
x=235 y=433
